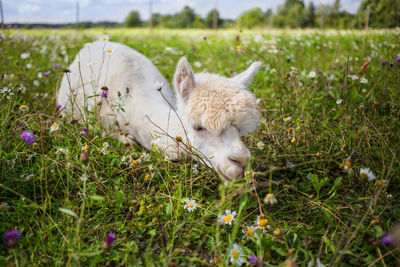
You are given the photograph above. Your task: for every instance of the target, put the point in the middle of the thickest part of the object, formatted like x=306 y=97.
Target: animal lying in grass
x=205 y=118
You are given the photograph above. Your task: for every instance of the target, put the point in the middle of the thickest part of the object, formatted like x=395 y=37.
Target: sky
x=62 y=11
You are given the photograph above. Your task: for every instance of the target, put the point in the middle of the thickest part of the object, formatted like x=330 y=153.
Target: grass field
x=321 y=124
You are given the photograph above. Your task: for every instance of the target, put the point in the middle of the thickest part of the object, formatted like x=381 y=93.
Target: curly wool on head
x=217 y=102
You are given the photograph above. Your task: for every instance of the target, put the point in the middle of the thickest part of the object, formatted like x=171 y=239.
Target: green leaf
x=69 y=212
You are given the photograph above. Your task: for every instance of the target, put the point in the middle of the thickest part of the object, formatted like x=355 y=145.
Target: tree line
x=292 y=14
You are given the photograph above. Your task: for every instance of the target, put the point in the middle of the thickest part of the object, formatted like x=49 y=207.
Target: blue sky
x=58 y=11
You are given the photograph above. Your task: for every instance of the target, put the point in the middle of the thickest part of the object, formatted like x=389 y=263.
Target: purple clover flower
x=384 y=63
x=84 y=131
x=47 y=73
x=351 y=71
x=391 y=64
x=388 y=239
x=397 y=59
x=58 y=106
x=109 y=240
x=12 y=237
x=104 y=94
x=253 y=259
x=56 y=66
x=28 y=137
x=6 y=62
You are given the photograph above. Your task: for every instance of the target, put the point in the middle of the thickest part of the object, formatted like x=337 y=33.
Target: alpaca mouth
x=225 y=175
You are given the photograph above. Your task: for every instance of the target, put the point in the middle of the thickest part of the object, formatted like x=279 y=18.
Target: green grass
x=322 y=212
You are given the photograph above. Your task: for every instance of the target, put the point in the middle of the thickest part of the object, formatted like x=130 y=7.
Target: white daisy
x=104 y=38
x=286 y=119
x=250 y=232
x=25 y=55
x=260 y=145
x=339 y=101
x=54 y=127
x=348 y=166
x=312 y=74
x=367 y=173
x=363 y=80
x=190 y=204
x=228 y=217
x=236 y=255
x=197 y=64
x=261 y=222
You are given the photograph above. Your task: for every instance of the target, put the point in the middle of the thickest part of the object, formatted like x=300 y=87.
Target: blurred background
x=324 y=14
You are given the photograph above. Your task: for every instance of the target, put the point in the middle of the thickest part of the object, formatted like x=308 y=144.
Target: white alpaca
x=212 y=112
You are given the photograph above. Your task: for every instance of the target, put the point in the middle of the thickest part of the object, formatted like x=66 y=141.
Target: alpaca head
x=216 y=112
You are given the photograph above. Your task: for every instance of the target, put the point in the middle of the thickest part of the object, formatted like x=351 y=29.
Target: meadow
x=321 y=188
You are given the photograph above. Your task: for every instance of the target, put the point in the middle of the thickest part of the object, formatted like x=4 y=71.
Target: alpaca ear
x=246 y=76
x=184 y=79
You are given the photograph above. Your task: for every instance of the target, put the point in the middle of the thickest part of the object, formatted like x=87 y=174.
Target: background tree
x=133 y=20
x=251 y=18
x=210 y=18
x=383 y=13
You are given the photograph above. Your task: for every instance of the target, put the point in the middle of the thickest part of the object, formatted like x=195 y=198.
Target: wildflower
x=84 y=131
x=311 y=74
x=134 y=162
x=29 y=66
x=293 y=140
x=47 y=73
x=236 y=255
x=382 y=183
x=348 y=166
x=197 y=64
x=36 y=83
x=171 y=50
x=270 y=199
x=397 y=59
x=339 y=101
x=85 y=147
x=54 y=127
x=25 y=55
x=7 y=91
x=58 y=106
x=39 y=75
x=28 y=137
x=106 y=145
x=228 y=217
x=103 y=38
x=278 y=233
x=195 y=171
x=293 y=70
x=384 y=63
x=261 y=221
x=260 y=145
x=190 y=205
x=241 y=48
x=250 y=232
x=12 y=237
x=216 y=260
x=56 y=66
x=83 y=178
x=388 y=239
x=273 y=70
x=109 y=240
x=389 y=196
x=23 y=107
x=289 y=164
x=286 y=119
x=366 y=173
x=391 y=64
x=363 y=80
x=108 y=51
x=253 y=259
x=105 y=93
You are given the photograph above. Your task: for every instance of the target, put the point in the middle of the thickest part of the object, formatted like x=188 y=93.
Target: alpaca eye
x=198 y=128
